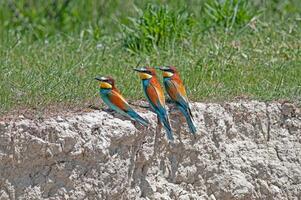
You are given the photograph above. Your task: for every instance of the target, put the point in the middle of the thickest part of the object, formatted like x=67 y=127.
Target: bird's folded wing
x=118 y=100
x=177 y=92
x=180 y=87
x=158 y=92
x=156 y=98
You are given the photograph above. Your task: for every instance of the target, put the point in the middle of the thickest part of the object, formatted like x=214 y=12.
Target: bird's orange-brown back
x=180 y=86
x=157 y=93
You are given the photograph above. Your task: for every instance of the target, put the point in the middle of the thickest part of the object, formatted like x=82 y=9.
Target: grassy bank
x=221 y=52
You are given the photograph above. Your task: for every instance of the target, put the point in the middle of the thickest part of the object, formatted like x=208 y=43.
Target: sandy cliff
x=244 y=150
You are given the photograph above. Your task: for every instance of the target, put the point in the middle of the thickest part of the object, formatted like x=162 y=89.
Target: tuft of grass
x=156 y=26
x=228 y=13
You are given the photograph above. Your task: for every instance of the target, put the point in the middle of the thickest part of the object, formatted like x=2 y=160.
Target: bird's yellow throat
x=105 y=85
x=167 y=74
x=144 y=76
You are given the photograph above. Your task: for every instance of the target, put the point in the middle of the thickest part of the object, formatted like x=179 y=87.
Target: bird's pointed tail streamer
x=188 y=119
x=167 y=127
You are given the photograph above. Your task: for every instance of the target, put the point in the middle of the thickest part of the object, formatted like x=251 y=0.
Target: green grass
x=260 y=59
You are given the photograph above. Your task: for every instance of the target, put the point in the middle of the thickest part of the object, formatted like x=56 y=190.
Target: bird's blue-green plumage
x=106 y=96
x=182 y=104
x=159 y=109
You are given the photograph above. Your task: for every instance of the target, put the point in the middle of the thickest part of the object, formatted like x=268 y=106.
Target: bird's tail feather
x=167 y=127
x=138 y=118
x=188 y=119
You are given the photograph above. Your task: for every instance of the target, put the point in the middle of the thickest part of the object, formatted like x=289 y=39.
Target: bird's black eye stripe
x=169 y=70
x=108 y=81
x=147 y=72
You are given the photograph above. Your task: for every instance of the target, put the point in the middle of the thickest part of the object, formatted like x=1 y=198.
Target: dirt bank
x=243 y=150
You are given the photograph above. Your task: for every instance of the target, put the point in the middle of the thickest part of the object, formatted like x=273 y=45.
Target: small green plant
x=227 y=13
x=156 y=26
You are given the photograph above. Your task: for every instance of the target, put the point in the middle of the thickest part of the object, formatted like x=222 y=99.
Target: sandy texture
x=243 y=150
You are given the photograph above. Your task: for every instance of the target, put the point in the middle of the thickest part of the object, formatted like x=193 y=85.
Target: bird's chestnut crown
x=106 y=82
x=168 y=71
x=146 y=72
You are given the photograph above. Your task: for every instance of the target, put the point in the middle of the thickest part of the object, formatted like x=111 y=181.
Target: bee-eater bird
x=112 y=97
x=155 y=96
x=176 y=91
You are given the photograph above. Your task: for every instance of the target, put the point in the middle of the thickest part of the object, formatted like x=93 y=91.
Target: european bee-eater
x=176 y=91
x=155 y=96
x=112 y=97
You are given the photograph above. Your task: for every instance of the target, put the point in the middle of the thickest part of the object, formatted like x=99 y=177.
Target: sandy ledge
x=243 y=150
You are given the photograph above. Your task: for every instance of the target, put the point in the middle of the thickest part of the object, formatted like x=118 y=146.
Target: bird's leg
x=108 y=110
x=194 y=137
